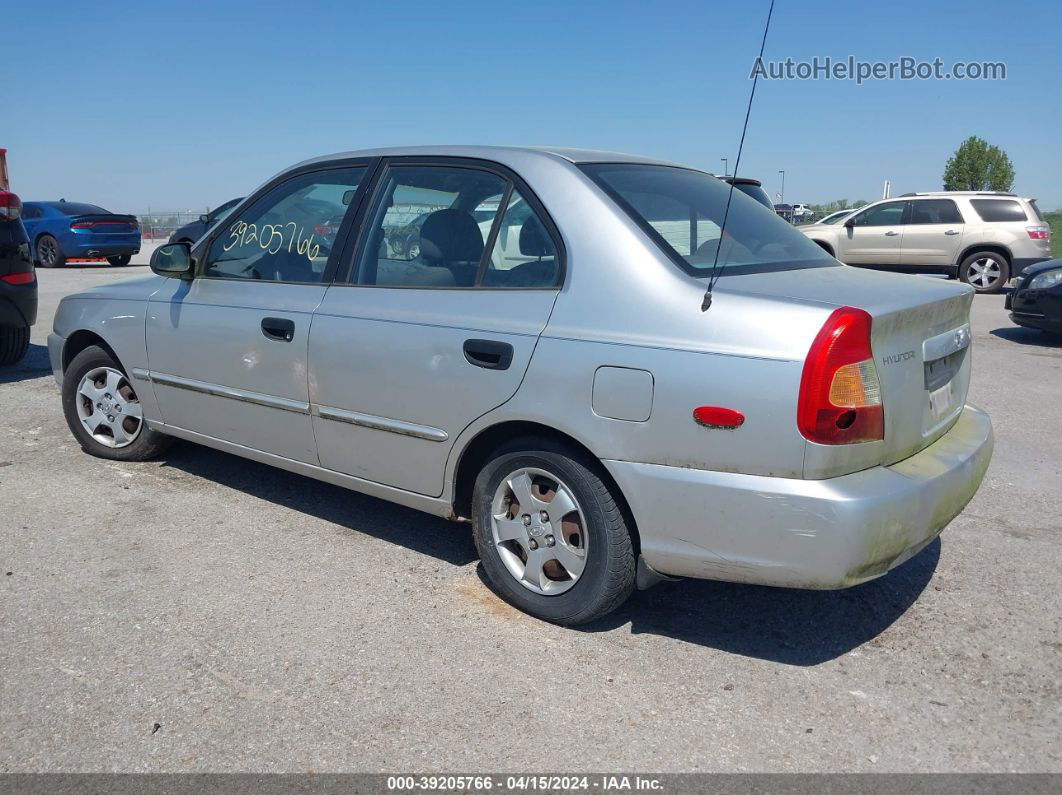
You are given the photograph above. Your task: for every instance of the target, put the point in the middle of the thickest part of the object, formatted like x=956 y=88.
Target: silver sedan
x=544 y=365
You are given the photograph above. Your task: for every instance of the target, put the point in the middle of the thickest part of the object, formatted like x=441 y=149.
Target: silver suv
x=983 y=238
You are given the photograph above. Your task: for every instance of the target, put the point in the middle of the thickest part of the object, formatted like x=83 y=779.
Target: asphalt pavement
x=206 y=613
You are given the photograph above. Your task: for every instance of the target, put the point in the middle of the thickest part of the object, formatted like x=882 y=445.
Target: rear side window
x=934 y=211
x=682 y=211
x=999 y=210
x=75 y=208
x=30 y=211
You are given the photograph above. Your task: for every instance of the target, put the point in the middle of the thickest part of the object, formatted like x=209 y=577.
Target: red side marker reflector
x=718 y=417
x=18 y=278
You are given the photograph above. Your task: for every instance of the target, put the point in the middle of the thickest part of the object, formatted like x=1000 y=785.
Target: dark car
x=65 y=230
x=1036 y=301
x=751 y=187
x=192 y=231
x=18 y=282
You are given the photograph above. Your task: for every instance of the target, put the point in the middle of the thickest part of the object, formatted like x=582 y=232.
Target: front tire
x=14 y=342
x=985 y=271
x=103 y=411
x=49 y=254
x=120 y=261
x=550 y=533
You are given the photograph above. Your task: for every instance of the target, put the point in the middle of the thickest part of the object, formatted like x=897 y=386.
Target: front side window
x=934 y=211
x=430 y=226
x=888 y=214
x=998 y=210
x=682 y=210
x=287 y=235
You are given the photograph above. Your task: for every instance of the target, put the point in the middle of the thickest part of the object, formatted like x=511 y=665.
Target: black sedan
x=1036 y=301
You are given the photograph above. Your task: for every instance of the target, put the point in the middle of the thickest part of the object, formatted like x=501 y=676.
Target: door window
x=888 y=214
x=934 y=211
x=430 y=226
x=286 y=235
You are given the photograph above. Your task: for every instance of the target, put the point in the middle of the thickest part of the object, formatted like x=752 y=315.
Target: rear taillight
x=840 y=397
x=1039 y=232
x=10 y=205
x=18 y=278
x=82 y=225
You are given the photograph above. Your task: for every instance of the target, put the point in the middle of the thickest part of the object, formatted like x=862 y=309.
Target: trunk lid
x=105 y=224
x=920 y=339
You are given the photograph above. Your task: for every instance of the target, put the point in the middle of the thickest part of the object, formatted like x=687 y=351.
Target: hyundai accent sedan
x=551 y=377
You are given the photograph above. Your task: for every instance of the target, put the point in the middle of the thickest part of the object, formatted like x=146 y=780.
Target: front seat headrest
x=450 y=236
x=534 y=242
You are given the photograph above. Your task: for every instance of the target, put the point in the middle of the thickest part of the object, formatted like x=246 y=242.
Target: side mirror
x=173 y=260
x=849 y=223
x=205 y=219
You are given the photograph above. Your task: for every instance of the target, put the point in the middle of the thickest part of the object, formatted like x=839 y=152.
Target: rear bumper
x=18 y=304
x=821 y=534
x=1019 y=264
x=102 y=250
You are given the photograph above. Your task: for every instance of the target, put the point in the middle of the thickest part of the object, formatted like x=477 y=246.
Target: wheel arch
x=478 y=450
x=84 y=338
x=824 y=246
x=996 y=248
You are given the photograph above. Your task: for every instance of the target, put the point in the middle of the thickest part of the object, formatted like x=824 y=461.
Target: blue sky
x=177 y=105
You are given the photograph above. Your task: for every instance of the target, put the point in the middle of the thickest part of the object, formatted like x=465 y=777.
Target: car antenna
x=707 y=302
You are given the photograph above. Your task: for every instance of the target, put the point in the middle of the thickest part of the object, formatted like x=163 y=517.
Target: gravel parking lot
x=205 y=613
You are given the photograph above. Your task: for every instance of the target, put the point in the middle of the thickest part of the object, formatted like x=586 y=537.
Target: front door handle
x=278 y=328
x=489 y=354
x=891 y=233
x=952 y=232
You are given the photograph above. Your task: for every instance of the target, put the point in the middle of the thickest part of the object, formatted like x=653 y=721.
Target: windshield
x=682 y=210
x=836 y=217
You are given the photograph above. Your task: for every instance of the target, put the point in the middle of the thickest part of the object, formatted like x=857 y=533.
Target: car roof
x=577 y=156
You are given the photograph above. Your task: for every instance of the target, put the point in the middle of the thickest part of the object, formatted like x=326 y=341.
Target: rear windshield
x=998 y=210
x=756 y=192
x=682 y=210
x=74 y=208
x=1036 y=210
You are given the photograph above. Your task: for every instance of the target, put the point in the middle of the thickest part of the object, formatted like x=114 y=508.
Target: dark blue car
x=64 y=230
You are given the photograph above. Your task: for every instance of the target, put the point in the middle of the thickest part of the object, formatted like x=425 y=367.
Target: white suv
x=984 y=238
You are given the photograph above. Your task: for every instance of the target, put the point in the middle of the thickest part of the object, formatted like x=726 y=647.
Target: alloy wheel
x=984 y=273
x=539 y=531
x=108 y=407
x=47 y=251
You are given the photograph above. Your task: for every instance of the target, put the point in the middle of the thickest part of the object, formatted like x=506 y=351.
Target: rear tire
x=49 y=254
x=95 y=371
x=14 y=342
x=985 y=271
x=121 y=261
x=566 y=572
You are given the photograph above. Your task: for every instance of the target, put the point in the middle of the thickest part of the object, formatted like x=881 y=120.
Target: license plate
x=940 y=401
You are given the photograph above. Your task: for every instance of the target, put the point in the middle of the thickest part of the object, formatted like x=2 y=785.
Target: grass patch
x=1055 y=219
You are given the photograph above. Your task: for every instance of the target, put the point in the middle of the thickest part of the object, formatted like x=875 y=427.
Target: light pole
x=782 y=172
x=725 y=167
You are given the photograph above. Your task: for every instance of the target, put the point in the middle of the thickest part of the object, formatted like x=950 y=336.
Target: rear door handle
x=278 y=328
x=952 y=232
x=891 y=233
x=489 y=354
